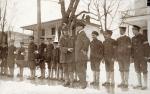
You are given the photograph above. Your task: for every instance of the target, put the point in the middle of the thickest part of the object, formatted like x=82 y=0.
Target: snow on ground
x=17 y=86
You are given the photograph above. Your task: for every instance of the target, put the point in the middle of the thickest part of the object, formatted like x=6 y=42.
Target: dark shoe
x=125 y=86
x=121 y=85
x=31 y=78
x=137 y=87
x=112 y=84
x=106 y=84
x=144 y=88
x=66 y=84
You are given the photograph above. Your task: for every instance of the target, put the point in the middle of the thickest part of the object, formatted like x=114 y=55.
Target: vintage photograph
x=74 y=46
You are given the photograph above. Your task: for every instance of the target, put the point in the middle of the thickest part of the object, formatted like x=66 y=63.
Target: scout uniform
x=11 y=58
x=49 y=56
x=32 y=48
x=123 y=57
x=96 y=55
x=66 y=57
x=81 y=48
x=56 y=59
x=109 y=56
x=41 y=58
x=138 y=54
x=20 y=59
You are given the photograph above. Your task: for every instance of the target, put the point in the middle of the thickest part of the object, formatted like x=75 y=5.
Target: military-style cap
x=80 y=23
x=21 y=42
x=108 y=32
x=124 y=28
x=31 y=37
x=95 y=33
x=136 y=27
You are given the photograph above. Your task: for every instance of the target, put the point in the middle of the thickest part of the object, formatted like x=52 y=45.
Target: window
x=53 y=31
x=43 y=32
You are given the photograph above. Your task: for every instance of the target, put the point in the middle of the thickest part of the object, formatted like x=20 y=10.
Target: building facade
x=53 y=29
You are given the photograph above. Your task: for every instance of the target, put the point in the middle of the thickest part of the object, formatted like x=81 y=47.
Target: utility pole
x=39 y=20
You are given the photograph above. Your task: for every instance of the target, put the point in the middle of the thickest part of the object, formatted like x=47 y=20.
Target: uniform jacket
x=109 y=48
x=82 y=44
x=137 y=47
x=65 y=43
x=96 y=50
x=49 y=52
x=41 y=50
x=124 y=48
x=32 y=47
x=56 y=55
x=20 y=54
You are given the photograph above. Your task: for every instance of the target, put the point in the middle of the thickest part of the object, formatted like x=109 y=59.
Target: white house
x=52 y=28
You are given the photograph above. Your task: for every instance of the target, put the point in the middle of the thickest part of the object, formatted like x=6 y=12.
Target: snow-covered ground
x=17 y=86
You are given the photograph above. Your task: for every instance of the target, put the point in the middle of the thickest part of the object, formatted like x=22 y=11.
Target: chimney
x=87 y=19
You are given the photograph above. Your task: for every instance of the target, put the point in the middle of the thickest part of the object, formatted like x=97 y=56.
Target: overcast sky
x=23 y=12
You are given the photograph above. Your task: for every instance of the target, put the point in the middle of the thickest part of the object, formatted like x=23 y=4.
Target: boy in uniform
x=123 y=56
x=109 y=58
x=96 y=56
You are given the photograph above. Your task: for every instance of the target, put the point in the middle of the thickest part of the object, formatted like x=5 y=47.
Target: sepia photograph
x=74 y=46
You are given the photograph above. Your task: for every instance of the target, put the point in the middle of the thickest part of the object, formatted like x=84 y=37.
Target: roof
x=52 y=22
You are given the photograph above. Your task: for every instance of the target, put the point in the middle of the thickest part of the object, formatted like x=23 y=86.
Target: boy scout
x=49 y=55
x=123 y=56
x=81 y=48
x=96 y=55
x=138 y=55
x=41 y=57
x=32 y=49
x=11 y=58
x=20 y=58
x=109 y=56
x=66 y=57
x=56 y=60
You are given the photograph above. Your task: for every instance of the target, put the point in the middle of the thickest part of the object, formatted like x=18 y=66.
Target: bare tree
x=69 y=15
x=3 y=13
x=104 y=11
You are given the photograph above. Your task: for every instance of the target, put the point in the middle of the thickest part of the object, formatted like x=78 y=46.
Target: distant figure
x=20 y=58
x=109 y=58
x=81 y=48
x=11 y=58
x=96 y=56
x=32 y=50
x=49 y=56
x=123 y=56
x=56 y=60
x=139 y=57
x=4 y=53
x=41 y=57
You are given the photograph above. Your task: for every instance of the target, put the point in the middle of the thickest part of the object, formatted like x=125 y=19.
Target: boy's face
x=42 y=40
x=107 y=36
x=31 y=40
x=135 y=31
x=94 y=36
x=21 y=45
x=122 y=31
